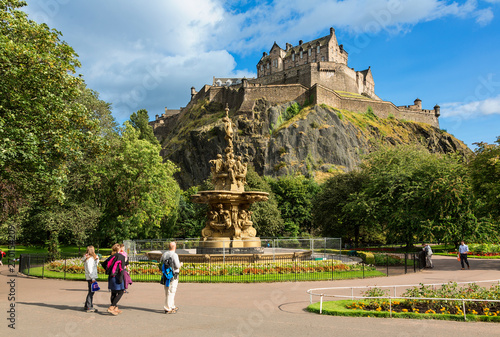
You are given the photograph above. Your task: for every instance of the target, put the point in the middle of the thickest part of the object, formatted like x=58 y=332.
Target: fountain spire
x=229 y=223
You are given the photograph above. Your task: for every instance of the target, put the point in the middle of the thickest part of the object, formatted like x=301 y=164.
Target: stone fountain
x=229 y=225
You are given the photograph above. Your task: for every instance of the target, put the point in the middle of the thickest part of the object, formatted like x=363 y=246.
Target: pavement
x=47 y=307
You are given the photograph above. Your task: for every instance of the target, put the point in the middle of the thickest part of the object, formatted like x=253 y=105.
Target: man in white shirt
x=170 y=291
x=463 y=249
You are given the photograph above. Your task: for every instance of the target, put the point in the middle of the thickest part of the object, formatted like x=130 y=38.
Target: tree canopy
x=43 y=126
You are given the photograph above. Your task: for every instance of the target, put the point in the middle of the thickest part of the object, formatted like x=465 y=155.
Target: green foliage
x=485 y=176
x=367 y=257
x=140 y=121
x=416 y=194
x=375 y=292
x=340 y=210
x=190 y=218
x=370 y=114
x=43 y=125
x=134 y=202
x=290 y=112
x=266 y=216
x=294 y=195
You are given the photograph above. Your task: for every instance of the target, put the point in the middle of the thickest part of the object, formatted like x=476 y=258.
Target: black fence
x=232 y=269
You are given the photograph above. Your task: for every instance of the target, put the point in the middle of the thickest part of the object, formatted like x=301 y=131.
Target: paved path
x=54 y=308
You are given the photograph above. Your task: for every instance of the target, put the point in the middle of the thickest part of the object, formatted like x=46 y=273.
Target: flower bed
x=434 y=307
x=76 y=266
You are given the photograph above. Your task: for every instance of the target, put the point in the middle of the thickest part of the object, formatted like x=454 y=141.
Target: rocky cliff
x=315 y=140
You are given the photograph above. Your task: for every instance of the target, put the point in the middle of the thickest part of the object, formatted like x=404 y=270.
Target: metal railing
x=231 y=268
x=319 y=293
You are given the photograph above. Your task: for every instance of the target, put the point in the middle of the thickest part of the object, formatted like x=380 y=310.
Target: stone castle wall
x=243 y=97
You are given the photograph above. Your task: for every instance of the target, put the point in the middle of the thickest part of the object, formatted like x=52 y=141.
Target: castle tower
x=418 y=103
x=437 y=110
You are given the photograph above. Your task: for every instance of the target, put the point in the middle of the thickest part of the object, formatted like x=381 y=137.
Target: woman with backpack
x=90 y=260
x=114 y=267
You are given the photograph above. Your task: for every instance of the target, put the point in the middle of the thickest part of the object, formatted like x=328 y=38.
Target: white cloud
x=148 y=54
x=489 y=106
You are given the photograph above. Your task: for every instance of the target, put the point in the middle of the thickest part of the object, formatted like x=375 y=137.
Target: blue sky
x=148 y=55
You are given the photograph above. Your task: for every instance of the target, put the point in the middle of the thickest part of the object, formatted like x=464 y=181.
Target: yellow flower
x=404 y=310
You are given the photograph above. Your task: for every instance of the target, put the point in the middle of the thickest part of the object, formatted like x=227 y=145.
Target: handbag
x=95 y=286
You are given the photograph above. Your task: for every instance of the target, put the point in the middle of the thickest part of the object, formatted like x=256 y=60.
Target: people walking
x=463 y=250
x=115 y=266
x=428 y=256
x=90 y=260
x=170 y=291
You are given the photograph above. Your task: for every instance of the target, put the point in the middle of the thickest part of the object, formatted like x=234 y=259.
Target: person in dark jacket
x=117 y=264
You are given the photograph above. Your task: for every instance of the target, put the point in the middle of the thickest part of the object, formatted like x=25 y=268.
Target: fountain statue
x=229 y=220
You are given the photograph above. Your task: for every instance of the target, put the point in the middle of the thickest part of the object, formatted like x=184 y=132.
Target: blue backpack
x=167 y=272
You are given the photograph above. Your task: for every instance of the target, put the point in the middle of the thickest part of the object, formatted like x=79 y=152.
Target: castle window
x=301 y=54
x=219 y=83
x=293 y=57
x=228 y=82
x=317 y=49
x=261 y=67
x=309 y=52
x=322 y=58
x=268 y=66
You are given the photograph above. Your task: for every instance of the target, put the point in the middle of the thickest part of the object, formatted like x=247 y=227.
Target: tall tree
x=43 y=127
x=140 y=121
x=137 y=190
x=341 y=210
x=418 y=195
x=485 y=176
x=294 y=194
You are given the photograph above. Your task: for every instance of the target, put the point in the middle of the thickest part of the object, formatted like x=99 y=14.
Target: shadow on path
x=79 y=308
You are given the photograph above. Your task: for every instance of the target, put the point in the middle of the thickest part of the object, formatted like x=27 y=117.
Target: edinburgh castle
x=314 y=72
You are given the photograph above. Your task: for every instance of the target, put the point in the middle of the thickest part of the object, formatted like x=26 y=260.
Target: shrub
x=367 y=257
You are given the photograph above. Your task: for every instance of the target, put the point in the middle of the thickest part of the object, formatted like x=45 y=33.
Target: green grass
x=37 y=271
x=338 y=308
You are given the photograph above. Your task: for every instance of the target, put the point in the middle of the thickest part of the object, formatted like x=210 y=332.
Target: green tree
x=340 y=209
x=294 y=194
x=43 y=127
x=135 y=188
x=417 y=195
x=190 y=218
x=140 y=121
x=485 y=176
x=266 y=216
